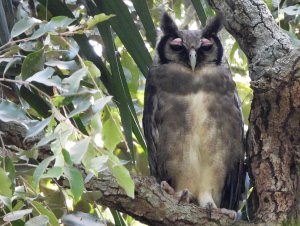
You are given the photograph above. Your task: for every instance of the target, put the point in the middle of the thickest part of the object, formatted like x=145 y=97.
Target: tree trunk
x=273 y=138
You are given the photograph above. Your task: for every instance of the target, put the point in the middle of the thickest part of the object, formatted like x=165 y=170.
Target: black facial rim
x=161 y=49
x=219 y=49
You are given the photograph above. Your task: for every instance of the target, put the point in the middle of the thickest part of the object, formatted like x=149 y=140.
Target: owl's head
x=191 y=48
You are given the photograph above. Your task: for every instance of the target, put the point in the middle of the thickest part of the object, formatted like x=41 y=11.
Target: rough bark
x=273 y=137
x=153 y=206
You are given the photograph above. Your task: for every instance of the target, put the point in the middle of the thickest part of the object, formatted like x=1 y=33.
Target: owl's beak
x=193 y=58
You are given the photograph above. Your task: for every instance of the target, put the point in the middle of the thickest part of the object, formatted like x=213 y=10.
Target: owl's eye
x=176 y=44
x=206 y=44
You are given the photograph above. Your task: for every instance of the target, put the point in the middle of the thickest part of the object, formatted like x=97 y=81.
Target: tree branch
x=257 y=33
x=153 y=206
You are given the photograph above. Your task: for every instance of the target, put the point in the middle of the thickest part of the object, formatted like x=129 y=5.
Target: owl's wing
x=234 y=184
x=150 y=124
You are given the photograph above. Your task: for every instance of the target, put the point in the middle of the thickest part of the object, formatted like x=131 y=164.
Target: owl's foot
x=211 y=207
x=183 y=196
x=231 y=213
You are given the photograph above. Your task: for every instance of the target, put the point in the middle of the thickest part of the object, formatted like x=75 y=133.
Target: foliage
x=73 y=74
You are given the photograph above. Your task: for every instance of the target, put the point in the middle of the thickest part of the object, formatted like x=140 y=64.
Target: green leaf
x=293 y=37
x=54 y=24
x=100 y=103
x=269 y=4
x=76 y=182
x=32 y=64
x=36 y=102
x=121 y=174
x=23 y=25
x=142 y=10
x=16 y=215
x=6 y=184
x=80 y=107
x=200 y=11
x=63 y=65
x=119 y=220
x=37 y=128
x=130 y=36
x=99 y=164
x=72 y=83
x=111 y=133
x=60 y=22
x=67 y=157
x=6 y=201
x=97 y=19
x=11 y=112
x=44 y=211
x=54 y=172
x=292 y=10
x=93 y=70
x=245 y=94
x=10 y=168
x=41 y=220
x=40 y=170
x=78 y=150
x=11 y=62
x=45 y=77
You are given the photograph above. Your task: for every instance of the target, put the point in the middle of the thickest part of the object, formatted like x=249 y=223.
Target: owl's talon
x=184 y=197
x=208 y=208
x=167 y=188
x=230 y=213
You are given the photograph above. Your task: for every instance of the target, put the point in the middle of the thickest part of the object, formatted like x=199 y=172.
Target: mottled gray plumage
x=192 y=119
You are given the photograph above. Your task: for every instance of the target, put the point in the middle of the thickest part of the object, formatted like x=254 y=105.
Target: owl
x=192 y=118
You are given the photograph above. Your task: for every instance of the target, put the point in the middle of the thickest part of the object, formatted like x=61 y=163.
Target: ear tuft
x=168 y=25
x=213 y=26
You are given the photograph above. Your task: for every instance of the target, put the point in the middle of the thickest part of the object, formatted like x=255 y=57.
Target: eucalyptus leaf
x=111 y=133
x=23 y=25
x=72 y=83
x=10 y=63
x=46 y=77
x=40 y=220
x=100 y=103
x=6 y=201
x=92 y=68
x=40 y=170
x=39 y=127
x=292 y=10
x=121 y=174
x=44 y=211
x=97 y=19
x=33 y=63
x=76 y=182
x=78 y=150
x=6 y=185
x=11 y=112
x=16 y=215
x=81 y=107
x=54 y=24
x=54 y=172
x=63 y=65
x=99 y=163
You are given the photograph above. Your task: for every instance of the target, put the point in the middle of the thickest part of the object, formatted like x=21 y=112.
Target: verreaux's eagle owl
x=192 y=119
